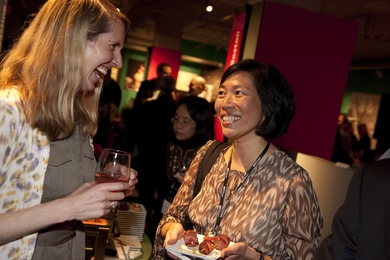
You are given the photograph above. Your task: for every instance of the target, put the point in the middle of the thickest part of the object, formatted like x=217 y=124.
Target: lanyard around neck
x=225 y=183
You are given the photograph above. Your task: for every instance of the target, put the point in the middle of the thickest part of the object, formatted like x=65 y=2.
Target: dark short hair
x=160 y=66
x=168 y=84
x=200 y=111
x=275 y=93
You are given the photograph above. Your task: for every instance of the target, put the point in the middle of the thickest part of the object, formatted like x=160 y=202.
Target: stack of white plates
x=132 y=221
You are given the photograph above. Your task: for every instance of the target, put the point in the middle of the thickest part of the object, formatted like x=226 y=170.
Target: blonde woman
x=50 y=82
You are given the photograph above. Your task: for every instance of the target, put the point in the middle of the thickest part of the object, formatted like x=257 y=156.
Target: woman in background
x=192 y=127
x=50 y=83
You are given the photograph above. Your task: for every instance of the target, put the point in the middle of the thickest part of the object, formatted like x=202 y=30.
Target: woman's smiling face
x=238 y=106
x=103 y=53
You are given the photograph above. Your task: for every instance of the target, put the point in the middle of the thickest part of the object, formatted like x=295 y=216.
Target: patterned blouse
x=24 y=157
x=276 y=211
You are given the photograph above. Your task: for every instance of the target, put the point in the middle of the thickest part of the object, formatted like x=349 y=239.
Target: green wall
x=128 y=54
x=203 y=51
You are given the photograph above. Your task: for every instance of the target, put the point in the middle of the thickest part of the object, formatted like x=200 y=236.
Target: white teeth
x=230 y=118
x=102 y=70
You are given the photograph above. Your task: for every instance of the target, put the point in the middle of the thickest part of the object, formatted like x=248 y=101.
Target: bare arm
x=22 y=222
x=88 y=201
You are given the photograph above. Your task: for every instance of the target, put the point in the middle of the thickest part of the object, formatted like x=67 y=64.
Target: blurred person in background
x=196 y=87
x=148 y=88
x=192 y=127
x=364 y=145
x=111 y=132
x=148 y=91
x=111 y=90
x=153 y=131
x=345 y=143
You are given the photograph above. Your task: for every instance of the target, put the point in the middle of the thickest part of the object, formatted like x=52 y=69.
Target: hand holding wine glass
x=113 y=166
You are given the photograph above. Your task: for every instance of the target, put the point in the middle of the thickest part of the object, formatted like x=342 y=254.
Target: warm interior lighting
x=209 y=8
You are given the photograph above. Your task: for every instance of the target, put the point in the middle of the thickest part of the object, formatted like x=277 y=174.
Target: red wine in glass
x=102 y=177
x=113 y=166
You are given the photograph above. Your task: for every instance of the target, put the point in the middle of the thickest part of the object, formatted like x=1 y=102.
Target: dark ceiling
x=187 y=19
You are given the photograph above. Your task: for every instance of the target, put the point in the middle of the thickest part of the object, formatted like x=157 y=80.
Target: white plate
x=182 y=257
x=193 y=252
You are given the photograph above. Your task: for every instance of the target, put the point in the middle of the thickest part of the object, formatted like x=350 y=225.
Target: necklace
x=221 y=213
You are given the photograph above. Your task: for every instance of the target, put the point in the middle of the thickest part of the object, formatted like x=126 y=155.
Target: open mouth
x=101 y=72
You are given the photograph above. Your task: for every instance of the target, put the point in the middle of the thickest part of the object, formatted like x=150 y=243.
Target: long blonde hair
x=46 y=65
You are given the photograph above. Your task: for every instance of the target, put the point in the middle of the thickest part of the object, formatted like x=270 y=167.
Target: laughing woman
x=50 y=82
x=254 y=193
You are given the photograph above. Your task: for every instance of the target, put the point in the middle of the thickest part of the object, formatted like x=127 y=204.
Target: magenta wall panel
x=313 y=51
x=159 y=55
x=236 y=38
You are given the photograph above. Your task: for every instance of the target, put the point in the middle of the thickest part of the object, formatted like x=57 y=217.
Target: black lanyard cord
x=225 y=183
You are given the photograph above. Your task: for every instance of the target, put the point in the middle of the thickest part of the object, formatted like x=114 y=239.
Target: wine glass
x=113 y=166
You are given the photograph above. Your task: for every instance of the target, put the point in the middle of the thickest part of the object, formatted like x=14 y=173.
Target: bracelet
x=261 y=254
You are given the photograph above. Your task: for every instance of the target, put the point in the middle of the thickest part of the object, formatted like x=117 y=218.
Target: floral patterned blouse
x=276 y=211
x=24 y=156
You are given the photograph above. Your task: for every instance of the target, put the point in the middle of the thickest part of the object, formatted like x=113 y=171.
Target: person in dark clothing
x=148 y=88
x=192 y=127
x=112 y=92
x=111 y=132
x=364 y=144
x=361 y=227
x=153 y=128
x=111 y=128
x=148 y=91
x=345 y=142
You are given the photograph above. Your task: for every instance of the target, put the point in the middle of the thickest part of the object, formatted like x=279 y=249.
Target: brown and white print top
x=276 y=211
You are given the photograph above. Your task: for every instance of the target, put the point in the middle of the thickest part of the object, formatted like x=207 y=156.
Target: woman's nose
x=228 y=101
x=117 y=61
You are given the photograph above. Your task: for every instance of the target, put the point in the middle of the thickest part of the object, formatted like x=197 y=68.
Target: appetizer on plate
x=200 y=246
